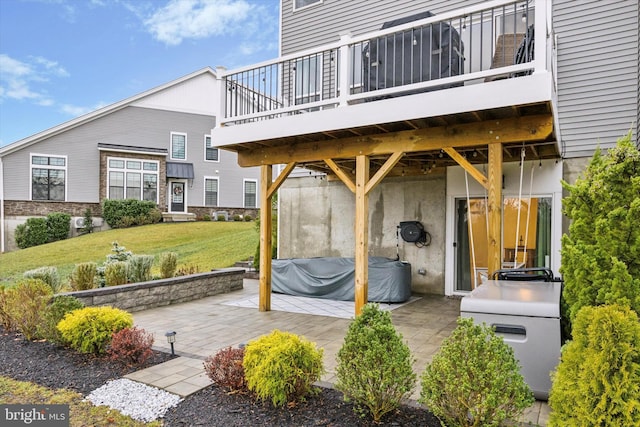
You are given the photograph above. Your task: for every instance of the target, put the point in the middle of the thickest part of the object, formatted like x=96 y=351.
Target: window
x=250 y=193
x=210 y=191
x=300 y=4
x=308 y=79
x=48 y=177
x=210 y=152
x=132 y=179
x=178 y=146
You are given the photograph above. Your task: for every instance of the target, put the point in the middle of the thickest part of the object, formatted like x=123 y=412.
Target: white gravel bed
x=137 y=400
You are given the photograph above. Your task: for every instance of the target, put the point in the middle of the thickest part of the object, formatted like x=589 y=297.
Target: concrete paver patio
x=207 y=325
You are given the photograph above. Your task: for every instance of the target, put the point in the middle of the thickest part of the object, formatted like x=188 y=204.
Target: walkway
x=207 y=325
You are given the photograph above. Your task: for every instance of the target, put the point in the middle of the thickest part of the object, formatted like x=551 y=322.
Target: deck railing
x=494 y=40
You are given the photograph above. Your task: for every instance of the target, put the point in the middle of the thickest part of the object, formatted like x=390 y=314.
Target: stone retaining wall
x=156 y=293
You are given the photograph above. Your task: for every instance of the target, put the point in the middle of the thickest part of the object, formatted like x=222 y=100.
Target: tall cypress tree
x=601 y=253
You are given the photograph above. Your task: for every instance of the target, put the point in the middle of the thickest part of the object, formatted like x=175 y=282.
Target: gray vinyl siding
x=131 y=126
x=323 y=23
x=598 y=67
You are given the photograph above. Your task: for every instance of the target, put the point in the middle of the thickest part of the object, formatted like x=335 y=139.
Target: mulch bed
x=58 y=367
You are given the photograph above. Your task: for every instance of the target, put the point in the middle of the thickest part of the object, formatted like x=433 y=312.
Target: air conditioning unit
x=78 y=222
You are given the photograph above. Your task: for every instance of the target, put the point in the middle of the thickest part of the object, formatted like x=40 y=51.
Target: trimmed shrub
x=48 y=275
x=597 y=382
x=474 y=379
x=248 y=218
x=282 y=366
x=83 y=276
x=225 y=369
x=168 y=264
x=221 y=218
x=32 y=233
x=374 y=365
x=139 y=268
x=26 y=304
x=129 y=212
x=601 y=253
x=237 y=217
x=57 y=308
x=58 y=226
x=89 y=329
x=131 y=346
x=116 y=273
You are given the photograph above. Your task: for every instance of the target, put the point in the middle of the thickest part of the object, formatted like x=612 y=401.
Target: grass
x=81 y=413
x=206 y=245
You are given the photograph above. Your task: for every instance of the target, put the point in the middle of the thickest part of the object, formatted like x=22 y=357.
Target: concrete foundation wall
x=156 y=293
x=316 y=219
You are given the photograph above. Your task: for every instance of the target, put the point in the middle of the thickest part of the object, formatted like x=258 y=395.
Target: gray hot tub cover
x=334 y=278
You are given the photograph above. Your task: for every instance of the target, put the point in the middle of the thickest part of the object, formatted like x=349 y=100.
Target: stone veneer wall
x=201 y=211
x=157 y=293
x=43 y=208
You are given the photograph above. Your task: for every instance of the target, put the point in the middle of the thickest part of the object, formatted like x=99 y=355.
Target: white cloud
x=23 y=80
x=76 y=110
x=195 y=19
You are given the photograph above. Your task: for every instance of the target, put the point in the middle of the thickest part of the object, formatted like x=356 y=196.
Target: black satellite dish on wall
x=414 y=232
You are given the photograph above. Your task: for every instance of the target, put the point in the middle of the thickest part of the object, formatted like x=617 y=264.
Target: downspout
x=1 y=207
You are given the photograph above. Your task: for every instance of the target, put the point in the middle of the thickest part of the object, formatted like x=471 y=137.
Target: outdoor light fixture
x=171 y=338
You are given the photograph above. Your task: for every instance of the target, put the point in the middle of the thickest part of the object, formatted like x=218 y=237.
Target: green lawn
x=206 y=245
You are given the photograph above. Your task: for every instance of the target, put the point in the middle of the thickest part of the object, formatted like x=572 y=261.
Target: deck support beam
x=494 y=196
x=361 y=234
x=267 y=189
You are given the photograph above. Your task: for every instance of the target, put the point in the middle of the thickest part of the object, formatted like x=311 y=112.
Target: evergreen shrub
x=33 y=232
x=49 y=275
x=282 y=367
x=168 y=264
x=129 y=212
x=115 y=273
x=597 y=382
x=87 y=222
x=58 y=226
x=55 y=311
x=601 y=253
x=474 y=379
x=89 y=329
x=225 y=369
x=374 y=364
x=139 y=268
x=26 y=304
x=131 y=346
x=83 y=276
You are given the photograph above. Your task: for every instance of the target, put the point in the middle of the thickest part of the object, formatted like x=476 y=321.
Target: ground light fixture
x=171 y=338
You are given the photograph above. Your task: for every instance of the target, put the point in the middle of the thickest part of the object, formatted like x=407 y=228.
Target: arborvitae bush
x=26 y=304
x=474 y=379
x=89 y=329
x=58 y=226
x=374 y=364
x=83 y=276
x=168 y=264
x=87 y=222
x=601 y=253
x=32 y=233
x=55 y=311
x=139 y=268
x=131 y=346
x=48 y=275
x=597 y=382
x=116 y=273
x=225 y=369
x=282 y=367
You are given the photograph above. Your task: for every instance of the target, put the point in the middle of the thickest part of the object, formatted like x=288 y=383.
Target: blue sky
x=60 y=59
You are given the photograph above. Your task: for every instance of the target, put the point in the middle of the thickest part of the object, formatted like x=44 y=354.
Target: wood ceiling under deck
x=467 y=129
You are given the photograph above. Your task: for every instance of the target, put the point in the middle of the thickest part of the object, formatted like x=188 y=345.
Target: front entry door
x=177 y=197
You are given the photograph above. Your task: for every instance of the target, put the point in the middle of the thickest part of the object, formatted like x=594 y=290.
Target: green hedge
x=129 y=212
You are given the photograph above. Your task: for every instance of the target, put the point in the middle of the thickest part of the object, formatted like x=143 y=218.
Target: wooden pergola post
x=494 y=238
x=266 y=176
x=361 y=234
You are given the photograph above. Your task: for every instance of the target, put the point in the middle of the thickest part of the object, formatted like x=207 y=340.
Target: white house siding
x=323 y=23
x=598 y=67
